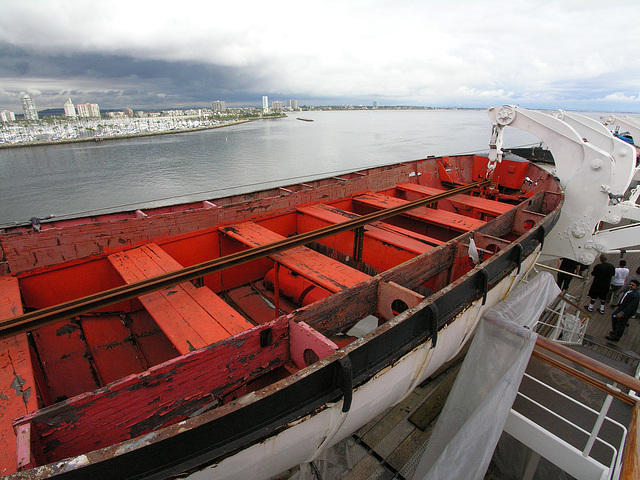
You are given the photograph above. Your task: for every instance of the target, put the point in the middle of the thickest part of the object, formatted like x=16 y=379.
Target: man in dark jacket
x=626 y=309
x=602 y=274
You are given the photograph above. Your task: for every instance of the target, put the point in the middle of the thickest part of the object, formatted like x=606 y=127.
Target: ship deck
x=391 y=445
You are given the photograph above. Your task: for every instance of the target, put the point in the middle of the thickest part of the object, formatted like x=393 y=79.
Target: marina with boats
x=209 y=339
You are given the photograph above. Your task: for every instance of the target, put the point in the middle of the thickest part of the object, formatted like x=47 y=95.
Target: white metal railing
x=571 y=454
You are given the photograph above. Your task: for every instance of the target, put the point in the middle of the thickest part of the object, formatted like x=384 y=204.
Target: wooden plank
x=155 y=345
x=111 y=344
x=17 y=384
x=484 y=205
x=190 y=317
x=64 y=357
x=375 y=231
x=253 y=304
x=324 y=271
x=183 y=336
x=228 y=318
x=441 y=218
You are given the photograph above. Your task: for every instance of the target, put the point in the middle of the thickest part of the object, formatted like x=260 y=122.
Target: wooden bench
x=383 y=232
x=483 y=205
x=17 y=383
x=383 y=246
x=322 y=270
x=190 y=317
x=441 y=218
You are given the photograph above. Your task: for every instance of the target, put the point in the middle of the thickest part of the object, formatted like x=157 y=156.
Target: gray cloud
x=537 y=53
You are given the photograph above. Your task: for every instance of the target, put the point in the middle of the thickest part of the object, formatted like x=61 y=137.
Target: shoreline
x=43 y=143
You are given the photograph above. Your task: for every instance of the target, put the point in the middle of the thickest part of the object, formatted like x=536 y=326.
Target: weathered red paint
x=328 y=273
x=139 y=352
x=17 y=384
x=190 y=317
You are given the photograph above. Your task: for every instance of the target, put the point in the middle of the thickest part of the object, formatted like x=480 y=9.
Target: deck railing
x=627 y=464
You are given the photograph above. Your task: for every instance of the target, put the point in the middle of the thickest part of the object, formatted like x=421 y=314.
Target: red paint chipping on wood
x=17 y=384
x=64 y=358
x=481 y=205
x=160 y=396
x=114 y=351
x=190 y=317
x=440 y=218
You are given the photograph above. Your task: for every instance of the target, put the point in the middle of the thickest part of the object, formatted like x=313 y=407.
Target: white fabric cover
x=472 y=420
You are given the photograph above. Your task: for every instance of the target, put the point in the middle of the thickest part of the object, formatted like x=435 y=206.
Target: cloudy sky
x=569 y=54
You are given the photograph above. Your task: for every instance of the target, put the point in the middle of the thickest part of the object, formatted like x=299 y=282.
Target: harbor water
x=94 y=178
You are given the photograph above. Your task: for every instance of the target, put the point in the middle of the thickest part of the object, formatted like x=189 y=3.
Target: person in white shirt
x=618 y=281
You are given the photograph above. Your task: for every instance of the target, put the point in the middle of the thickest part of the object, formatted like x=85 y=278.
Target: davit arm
x=594 y=169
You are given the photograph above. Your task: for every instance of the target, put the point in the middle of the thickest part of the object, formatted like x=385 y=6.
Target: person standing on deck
x=617 y=281
x=602 y=274
x=627 y=309
x=564 y=279
x=632 y=276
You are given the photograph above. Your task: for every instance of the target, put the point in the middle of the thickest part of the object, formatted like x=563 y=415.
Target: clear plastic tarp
x=472 y=420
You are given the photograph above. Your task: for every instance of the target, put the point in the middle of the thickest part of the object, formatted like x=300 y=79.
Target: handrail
x=631 y=457
x=601 y=369
x=631 y=461
x=48 y=315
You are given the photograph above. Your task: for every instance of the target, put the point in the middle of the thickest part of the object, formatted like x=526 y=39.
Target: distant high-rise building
x=265 y=104
x=128 y=112
x=375 y=104
x=7 y=116
x=218 y=106
x=87 y=110
x=29 y=107
x=69 y=109
x=292 y=104
x=276 y=105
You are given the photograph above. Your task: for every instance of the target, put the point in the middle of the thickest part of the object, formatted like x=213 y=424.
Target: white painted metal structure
x=595 y=170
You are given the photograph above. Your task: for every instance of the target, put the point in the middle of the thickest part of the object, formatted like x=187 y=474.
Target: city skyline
x=574 y=55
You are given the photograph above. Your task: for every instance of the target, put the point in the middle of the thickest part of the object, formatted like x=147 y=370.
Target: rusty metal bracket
x=516 y=255
x=345 y=379
x=483 y=277
x=432 y=318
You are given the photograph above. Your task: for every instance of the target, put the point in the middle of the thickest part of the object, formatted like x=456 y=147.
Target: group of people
x=609 y=284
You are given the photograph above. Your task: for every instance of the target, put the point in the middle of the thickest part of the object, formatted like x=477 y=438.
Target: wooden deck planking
x=65 y=359
x=155 y=345
x=252 y=304
x=326 y=272
x=111 y=344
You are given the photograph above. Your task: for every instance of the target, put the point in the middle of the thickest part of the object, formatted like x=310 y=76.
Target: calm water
x=125 y=174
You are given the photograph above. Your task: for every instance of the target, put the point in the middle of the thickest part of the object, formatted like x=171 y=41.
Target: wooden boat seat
x=17 y=383
x=322 y=270
x=441 y=218
x=383 y=232
x=483 y=205
x=190 y=317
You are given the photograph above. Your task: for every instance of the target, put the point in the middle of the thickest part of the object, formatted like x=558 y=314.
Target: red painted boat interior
x=201 y=344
